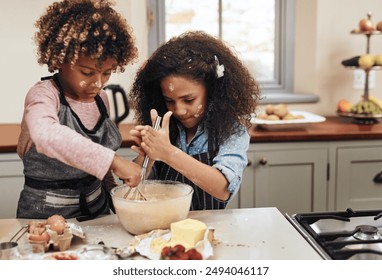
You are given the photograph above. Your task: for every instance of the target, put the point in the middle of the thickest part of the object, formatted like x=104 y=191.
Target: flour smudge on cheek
x=83 y=84
x=198 y=112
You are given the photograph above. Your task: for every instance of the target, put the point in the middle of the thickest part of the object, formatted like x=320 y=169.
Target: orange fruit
x=344 y=106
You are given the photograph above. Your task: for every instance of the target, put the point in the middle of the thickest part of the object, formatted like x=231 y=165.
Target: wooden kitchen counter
x=333 y=129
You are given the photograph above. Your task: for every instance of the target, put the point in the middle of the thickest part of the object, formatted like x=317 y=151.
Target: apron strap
x=85 y=210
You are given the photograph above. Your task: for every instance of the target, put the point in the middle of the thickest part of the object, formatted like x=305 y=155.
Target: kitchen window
x=260 y=31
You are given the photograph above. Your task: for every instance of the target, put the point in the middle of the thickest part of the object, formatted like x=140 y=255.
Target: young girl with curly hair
x=206 y=96
x=67 y=140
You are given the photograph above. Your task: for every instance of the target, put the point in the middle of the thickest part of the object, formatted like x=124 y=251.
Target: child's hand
x=127 y=171
x=136 y=134
x=156 y=143
x=137 y=138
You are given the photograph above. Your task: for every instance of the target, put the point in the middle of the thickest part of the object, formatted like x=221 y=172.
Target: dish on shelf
x=377 y=67
x=361 y=118
x=307 y=118
x=374 y=32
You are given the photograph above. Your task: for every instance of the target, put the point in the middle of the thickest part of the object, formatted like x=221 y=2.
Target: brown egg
x=38 y=230
x=58 y=226
x=32 y=225
x=57 y=223
x=54 y=218
x=44 y=237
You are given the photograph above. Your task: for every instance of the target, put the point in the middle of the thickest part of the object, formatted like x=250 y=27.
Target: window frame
x=279 y=90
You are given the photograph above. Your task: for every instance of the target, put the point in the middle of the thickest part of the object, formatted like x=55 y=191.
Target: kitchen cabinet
x=11 y=183
x=289 y=176
x=298 y=177
x=295 y=177
x=356 y=166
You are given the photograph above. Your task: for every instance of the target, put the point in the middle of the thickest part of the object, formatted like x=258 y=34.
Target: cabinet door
x=356 y=168
x=292 y=179
x=11 y=184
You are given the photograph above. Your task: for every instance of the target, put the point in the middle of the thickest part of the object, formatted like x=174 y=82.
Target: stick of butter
x=187 y=232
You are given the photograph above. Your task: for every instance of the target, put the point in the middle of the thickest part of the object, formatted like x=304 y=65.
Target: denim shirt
x=231 y=158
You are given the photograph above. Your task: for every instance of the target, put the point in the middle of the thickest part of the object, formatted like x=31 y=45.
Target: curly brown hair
x=231 y=99
x=73 y=28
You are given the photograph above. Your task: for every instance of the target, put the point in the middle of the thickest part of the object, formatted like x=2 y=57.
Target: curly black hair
x=231 y=99
x=73 y=28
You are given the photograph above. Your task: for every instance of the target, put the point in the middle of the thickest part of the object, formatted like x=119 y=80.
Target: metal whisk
x=137 y=194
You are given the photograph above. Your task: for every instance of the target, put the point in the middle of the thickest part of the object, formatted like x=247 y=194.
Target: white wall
x=323 y=40
x=19 y=69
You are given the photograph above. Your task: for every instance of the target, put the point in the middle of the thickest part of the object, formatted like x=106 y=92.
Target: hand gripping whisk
x=137 y=194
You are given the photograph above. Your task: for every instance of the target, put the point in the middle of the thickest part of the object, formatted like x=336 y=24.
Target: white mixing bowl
x=167 y=202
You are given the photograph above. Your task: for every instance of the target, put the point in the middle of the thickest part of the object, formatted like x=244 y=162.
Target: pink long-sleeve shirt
x=41 y=128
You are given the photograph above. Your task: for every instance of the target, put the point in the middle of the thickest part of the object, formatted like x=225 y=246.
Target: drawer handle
x=263 y=161
x=378 y=178
x=249 y=163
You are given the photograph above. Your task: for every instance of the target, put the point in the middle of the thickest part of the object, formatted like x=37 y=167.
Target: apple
x=366 y=61
x=379 y=26
x=366 y=25
x=344 y=106
x=378 y=59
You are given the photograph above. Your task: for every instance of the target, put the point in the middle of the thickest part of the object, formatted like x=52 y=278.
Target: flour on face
x=198 y=112
x=171 y=87
x=83 y=84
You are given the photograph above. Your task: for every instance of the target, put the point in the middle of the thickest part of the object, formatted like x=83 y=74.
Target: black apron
x=201 y=200
x=53 y=187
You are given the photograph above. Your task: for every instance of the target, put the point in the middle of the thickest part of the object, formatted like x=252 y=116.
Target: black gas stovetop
x=342 y=235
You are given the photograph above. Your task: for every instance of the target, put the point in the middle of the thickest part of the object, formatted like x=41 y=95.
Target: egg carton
x=60 y=242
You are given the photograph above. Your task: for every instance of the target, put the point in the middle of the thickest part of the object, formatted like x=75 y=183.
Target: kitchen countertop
x=333 y=129
x=242 y=234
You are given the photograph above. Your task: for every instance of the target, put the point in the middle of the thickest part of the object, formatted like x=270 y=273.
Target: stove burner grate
x=363 y=242
x=366 y=232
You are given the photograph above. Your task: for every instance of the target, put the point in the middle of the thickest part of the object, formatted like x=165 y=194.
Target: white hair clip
x=219 y=68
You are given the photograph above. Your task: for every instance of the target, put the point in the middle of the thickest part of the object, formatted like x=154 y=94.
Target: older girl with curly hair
x=206 y=96
x=68 y=141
